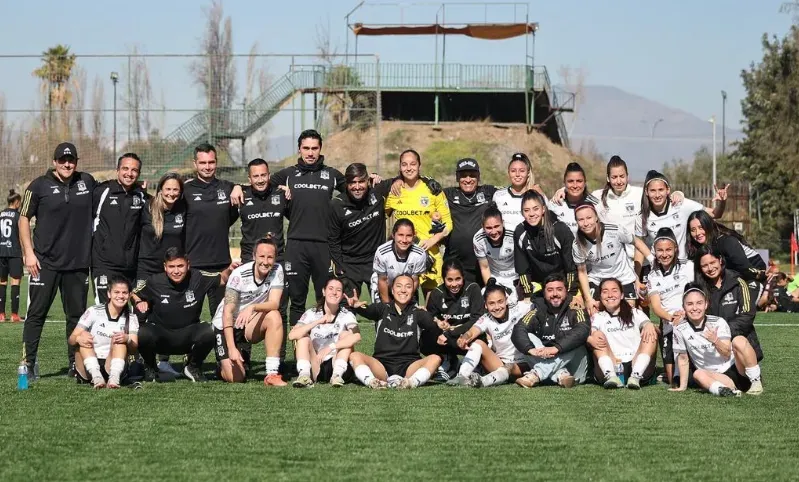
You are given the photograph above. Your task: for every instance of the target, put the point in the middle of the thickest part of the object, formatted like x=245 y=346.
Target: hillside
x=440 y=147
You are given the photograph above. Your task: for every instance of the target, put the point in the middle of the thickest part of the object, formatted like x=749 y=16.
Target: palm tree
x=55 y=74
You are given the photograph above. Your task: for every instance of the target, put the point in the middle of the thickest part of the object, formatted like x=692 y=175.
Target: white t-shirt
x=102 y=327
x=622 y=210
x=676 y=218
x=670 y=287
x=622 y=339
x=251 y=292
x=327 y=334
x=499 y=258
x=500 y=333
x=387 y=262
x=608 y=258
x=703 y=354
x=565 y=211
x=510 y=205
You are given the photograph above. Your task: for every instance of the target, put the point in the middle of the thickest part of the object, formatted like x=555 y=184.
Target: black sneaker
x=150 y=374
x=194 y=374
x=72 y=372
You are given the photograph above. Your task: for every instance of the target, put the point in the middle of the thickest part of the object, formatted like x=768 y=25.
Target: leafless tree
x=98 y=103
x=79 y=100
x=139 y=95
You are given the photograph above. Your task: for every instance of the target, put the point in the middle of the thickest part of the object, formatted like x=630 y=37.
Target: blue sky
x=681 y=53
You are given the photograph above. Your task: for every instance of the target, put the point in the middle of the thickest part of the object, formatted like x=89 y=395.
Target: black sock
x=14 y=300
x=3 y=298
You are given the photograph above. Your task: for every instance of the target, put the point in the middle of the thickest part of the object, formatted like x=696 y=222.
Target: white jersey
x=608 y=258
x=565 y=211
x=622 y=339
x=102 y=327
x=326 y=334
x=388 y=263
x=623 y=210
x=675 y=218
x=251 y=292
x=500 y=333
x=691 y=340
x=499 y=258
x=510 y=205
x=670 y=285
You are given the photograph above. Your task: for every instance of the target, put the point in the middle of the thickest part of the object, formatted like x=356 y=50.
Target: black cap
x=654 y=175
x=65 y=149
x=467 y=164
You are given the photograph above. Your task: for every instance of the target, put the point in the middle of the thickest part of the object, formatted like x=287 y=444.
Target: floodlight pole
x=114 y=80
x=713 y=121
x=723 y=122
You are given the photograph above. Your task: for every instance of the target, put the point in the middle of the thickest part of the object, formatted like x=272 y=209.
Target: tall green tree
x=55 y=73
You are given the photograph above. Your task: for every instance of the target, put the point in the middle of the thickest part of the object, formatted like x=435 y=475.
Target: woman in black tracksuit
x=542 y=246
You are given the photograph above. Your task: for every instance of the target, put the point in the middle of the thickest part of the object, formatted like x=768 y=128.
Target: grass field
x=181 y=431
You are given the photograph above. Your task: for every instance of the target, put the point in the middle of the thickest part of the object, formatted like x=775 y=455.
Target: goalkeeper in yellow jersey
x=420 y=200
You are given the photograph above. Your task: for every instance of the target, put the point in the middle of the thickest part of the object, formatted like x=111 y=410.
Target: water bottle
x=22 y=376
x=620 y=372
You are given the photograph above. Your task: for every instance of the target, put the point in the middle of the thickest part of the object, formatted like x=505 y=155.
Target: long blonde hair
x=158 y=205
x=522 y=157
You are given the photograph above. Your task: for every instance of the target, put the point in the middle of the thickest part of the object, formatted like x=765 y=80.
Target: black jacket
x=152 y=249
x=735 y=259
x=732 y=301
x=357 y=228
x=461 y=311
x=467 y=219
x=397 y=333
x=209 y=216
x=117 y=225
x=262 y=213
x=564 y=328
x=176 y=306
x=535 y=260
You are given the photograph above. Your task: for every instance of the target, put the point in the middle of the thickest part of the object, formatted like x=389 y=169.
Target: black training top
x=460 y=310
x=62 y=239
x=311 y=188
x=467 y=218
x=397 y=333
x=152 y=250
x=535 y=258
x=357 y=227
x=117 y=225
x=9 y=234
x=176 y=306
x=209 y=216
x=262 y=213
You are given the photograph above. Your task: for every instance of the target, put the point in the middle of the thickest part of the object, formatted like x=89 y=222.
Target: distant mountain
x=618 y=122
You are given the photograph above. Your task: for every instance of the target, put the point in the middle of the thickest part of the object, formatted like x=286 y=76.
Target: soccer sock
x=339 y=367
x=640 y=364
x=715 y=387
x=304 y=368
x=471 y=360
x=420 y=377
x=117 y=365
x=272 y=365
x=14 y=299
x=497 y=377
x=606 y=365
x=753 y=373
x=364 y=374
x=93 y=367
x=3 y=298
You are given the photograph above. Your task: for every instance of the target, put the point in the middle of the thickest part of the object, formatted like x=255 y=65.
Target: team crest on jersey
x=675 y=216
x=372 y=199
x=275 y=200
x=465 y=303
x=136 y=201
x=481 y=198
x=676 y=277
x=81 y=186
x=190 y=296
x=410 y=320
x=610 y=245
x=103 y=280
x=507 y=251
x=630 y=207
x=424 y=201
x=324 y=175
x=220 y=194
x=178 y=219
x=288 y=265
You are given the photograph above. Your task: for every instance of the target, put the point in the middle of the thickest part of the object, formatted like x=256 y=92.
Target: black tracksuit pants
x=305 y=260
x=196 y=340
x=74 y=286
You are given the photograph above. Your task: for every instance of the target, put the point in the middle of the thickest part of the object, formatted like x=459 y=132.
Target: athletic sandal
x=529 y=380
x=634 y=383
x=612 y=382
x=567 y=381
x=337 y=381
x=274 y=380
x=303 y=381
x=756 y=388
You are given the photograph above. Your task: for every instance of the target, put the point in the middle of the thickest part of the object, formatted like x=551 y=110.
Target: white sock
x=339 y=367
x=364 y=374
x=640 y=364
x=497 y=377
x=606 y=365
x=93 y=367
x=471 y=360
x=304 y=368
x=420 y=377
x=272 y=365
x=715 y=387
x=117 y=365
x=753 y=373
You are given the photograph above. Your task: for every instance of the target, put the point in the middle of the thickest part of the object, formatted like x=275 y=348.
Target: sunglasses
x=66 y=159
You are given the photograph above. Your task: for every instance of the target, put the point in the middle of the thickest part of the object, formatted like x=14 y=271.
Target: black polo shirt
x=175 y=306
x=152 y=249
x=209 y=216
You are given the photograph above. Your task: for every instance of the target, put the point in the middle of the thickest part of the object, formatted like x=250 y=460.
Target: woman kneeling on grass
x=104 y=335
x=621 y=334
x=724 y=365
x=396 y=362
x=502 y=360
x=325 y=336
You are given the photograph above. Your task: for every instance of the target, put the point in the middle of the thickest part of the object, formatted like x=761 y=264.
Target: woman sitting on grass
x=621 y=334
x=104 y=336
x=724 y=365
x=325 y=336
x=396 y=362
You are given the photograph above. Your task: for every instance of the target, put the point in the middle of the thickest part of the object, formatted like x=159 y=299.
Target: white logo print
x=275 y=200
x=249 y=203
x=103 y=280
x=324 y=175
x=288 y=265
x=424 y=201
x=220 y=194
x=372 y=199
x=67 y=150
x=136 y=201
x=481 y=198
x=114 y=202
x=347 y=212
x=198 y=197
x=55 y=190
x=465 y=303
x=189 y=296
x=178 y=219
x=410 y=320
x=165 y=301
x=81 y=186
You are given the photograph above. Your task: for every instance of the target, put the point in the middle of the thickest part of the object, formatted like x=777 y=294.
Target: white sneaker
x=756 y=388
x=165 y=367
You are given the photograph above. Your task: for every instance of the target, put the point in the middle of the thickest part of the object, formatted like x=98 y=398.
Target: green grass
x=58 y=430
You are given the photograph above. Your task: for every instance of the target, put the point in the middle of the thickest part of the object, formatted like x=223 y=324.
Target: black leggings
x=196 y=340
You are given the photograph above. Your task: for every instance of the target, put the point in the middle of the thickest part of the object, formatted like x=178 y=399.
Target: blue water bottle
x=22 y=376
x=620 y=372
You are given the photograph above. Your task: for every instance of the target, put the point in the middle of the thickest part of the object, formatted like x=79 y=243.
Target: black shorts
x=666 y=348
x=741 y=382
x=355 y=277
x=648 y=375
x=397 y=366
x=123 y=379
x=326 y=372
x=629 y=291
x=220 y=349
x=11 y=267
